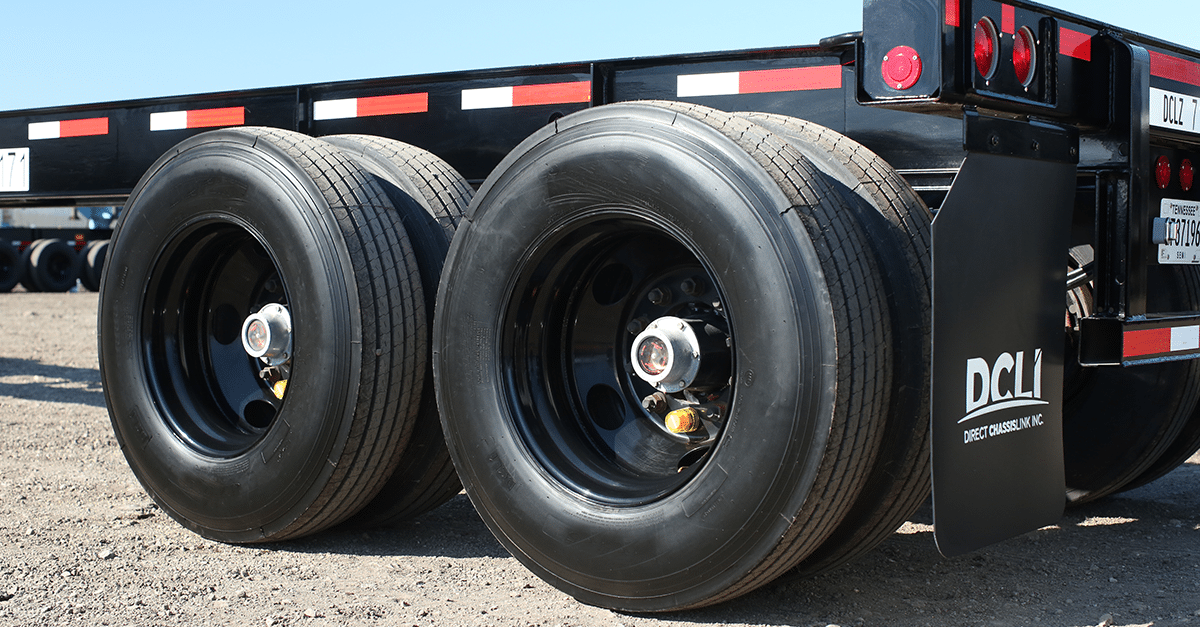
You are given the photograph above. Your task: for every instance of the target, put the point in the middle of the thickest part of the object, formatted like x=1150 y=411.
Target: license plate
x=14 y=169
x=1182 y=244
x=1178 y=112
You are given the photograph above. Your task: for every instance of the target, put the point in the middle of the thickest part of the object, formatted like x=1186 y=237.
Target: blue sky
x=60 y=52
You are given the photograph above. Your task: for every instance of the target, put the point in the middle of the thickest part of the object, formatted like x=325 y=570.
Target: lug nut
x=637 y=325
x=691 y=287
x=655 y=403
x=659 y=296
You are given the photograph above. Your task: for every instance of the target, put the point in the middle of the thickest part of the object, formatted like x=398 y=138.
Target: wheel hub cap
x=267 y=334
x=670 y=352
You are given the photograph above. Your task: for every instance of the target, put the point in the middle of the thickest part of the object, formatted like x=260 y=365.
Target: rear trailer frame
x=1053 y=150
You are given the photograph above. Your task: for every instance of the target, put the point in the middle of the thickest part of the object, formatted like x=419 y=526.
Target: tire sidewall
x=40 y=260
x=11 y=259
x=690 y=181
x=225 y=176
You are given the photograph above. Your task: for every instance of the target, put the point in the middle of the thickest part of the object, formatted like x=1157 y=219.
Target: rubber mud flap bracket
x=999 y=268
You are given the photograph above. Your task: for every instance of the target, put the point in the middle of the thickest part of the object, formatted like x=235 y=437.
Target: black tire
x=93 y=264
x=10 y=267
x=898 y=224
x=431 y=198
x=53 y=265
x=1186 y=444
x=224 y=223
x=1118 y=422
x=564 y=244
x=27 y=273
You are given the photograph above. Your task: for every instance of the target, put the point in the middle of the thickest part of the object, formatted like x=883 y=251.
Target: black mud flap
x=1000 y=245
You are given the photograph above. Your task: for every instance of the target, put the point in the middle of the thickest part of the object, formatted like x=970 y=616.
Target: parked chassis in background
x=689 y=322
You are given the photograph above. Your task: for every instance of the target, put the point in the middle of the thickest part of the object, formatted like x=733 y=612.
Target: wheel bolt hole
x=606 y=407
x=259 y=414
x=612 y=284
x=692 y=457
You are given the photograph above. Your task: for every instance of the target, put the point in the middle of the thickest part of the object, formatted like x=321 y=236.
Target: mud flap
x=1000 y=245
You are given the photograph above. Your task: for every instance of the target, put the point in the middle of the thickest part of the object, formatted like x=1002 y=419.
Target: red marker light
x=1162 y=172
x=1187 y=175
x=901 y=67
x=1025 y=55
x=987 y=46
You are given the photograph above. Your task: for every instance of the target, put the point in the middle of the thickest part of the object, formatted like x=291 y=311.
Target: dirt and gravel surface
x=81 y=543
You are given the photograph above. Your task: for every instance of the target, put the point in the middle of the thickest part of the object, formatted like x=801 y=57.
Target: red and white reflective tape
x=952 y=11
x=527 y=95
x=68 y=128
x=371 y=106
x=200 y=118
x=807 y=78
x=1008 y=19
x=1160 y=342
x=1174 y=68
x=1074 y=44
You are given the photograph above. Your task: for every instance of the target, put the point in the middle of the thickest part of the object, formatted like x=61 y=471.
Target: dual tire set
x=430 y=338
x=52 y=265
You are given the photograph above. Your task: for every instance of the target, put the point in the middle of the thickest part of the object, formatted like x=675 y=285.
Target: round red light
x=1187 y=175
x=987 y=47
x=1025 y=55
x=901 y=67
x=1162 y=172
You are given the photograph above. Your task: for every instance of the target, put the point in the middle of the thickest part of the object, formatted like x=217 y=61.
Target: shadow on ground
x=36 y=381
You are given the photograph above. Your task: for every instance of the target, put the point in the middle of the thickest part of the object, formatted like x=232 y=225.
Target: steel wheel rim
x=208 y=278
x=566 y=336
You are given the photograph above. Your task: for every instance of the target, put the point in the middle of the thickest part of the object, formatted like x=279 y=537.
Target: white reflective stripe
x=168 y=121
x=44 y=130
x=1185 y=338
x=489 y=98
x=721 y=84
x=335 y=109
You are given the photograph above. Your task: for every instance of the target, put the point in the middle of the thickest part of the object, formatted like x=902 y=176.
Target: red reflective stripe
x=83 y=128
x=552 y=93
x=208 y=118
x=1008 y=19
x=1075 y=44
x=790 y=79
x=393 y=105
x=1147 y=342
x=952 y=13
x=1174 y=68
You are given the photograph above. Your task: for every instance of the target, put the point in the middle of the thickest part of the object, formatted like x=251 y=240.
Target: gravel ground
x=81 y=543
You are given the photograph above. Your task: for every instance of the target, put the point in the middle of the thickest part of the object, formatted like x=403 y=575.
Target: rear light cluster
x=1164 y=173
x=987 y=52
